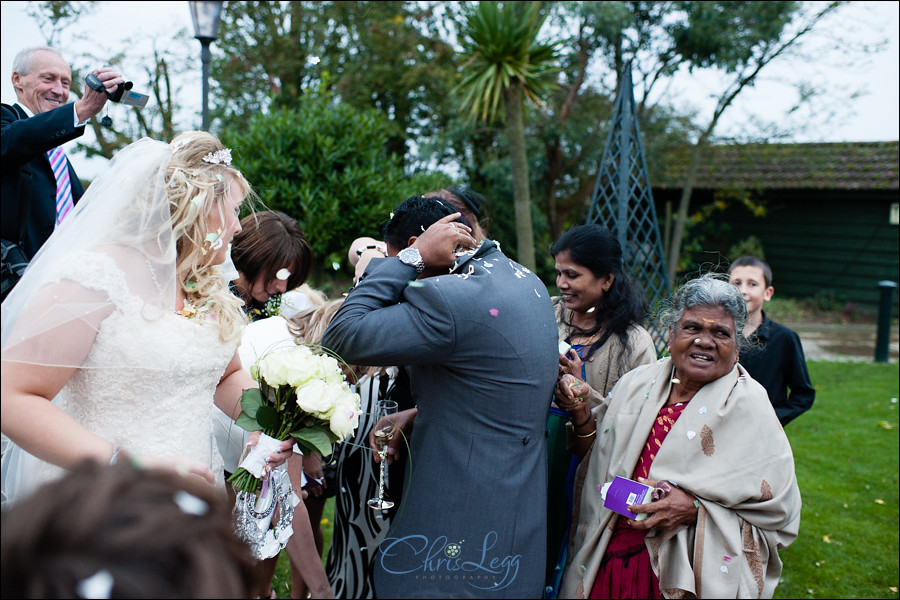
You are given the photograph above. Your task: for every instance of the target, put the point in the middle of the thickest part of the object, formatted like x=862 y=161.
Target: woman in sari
x=599 y=312
x=702 y=432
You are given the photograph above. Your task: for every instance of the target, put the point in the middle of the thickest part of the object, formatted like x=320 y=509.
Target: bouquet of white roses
x=302 y=394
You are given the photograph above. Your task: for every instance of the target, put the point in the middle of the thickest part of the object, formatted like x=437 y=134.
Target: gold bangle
x=591 y=434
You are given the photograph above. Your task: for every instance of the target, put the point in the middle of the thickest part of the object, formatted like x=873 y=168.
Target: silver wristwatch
x=411 y=257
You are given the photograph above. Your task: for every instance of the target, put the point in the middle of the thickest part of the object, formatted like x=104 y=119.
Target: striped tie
x=60 y=167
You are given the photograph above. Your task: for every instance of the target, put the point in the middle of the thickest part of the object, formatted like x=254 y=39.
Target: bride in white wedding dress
x=122 y=334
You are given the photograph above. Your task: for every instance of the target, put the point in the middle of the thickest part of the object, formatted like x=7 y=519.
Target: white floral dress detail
x=146 y=385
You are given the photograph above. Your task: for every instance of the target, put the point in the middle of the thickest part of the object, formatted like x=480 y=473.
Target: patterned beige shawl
x=727 y=449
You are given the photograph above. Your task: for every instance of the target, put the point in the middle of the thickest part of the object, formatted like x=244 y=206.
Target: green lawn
x=282 y=581
x=846 y=454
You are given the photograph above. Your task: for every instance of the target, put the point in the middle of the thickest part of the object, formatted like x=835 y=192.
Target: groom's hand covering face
x=439 y=243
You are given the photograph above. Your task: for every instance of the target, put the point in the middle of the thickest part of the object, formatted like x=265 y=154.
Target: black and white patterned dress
x=358 y=529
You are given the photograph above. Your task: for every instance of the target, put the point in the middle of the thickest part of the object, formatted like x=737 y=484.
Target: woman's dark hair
x=468 y=202
x=268 y=242
x=145 y=533
x=472 y=199
x=413 y=217
x=595 y=248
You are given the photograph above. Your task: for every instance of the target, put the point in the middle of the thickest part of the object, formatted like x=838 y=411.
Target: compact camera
x=122 y=94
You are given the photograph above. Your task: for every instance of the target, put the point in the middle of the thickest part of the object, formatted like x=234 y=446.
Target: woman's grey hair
x=709 y=290
x=23 y=60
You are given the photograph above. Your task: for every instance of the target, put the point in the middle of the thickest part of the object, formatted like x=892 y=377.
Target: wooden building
x=829 y=218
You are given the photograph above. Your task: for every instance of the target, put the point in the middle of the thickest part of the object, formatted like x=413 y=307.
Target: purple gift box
x=622 y=493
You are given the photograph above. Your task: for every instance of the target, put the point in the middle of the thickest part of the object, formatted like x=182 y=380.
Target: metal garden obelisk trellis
x=623 y=202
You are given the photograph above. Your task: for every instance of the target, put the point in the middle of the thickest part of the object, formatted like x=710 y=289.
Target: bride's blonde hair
x=198 y=179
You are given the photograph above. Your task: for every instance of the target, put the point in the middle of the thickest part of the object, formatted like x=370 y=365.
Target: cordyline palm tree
x=506 y=62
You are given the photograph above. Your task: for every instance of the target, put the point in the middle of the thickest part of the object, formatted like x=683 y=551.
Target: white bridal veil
x=125 y=216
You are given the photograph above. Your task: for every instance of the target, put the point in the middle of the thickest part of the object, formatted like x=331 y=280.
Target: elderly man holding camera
x=40 y=186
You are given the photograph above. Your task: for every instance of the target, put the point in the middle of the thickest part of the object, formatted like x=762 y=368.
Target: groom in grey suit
x=477 y=333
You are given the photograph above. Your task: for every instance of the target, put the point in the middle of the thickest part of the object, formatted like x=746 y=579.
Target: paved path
x=853 y=342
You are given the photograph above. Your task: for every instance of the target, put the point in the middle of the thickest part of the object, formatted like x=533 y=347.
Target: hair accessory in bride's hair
x=222 y=156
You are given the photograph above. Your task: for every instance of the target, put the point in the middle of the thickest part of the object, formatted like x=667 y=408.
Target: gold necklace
x=576 y=331
x=590 y=339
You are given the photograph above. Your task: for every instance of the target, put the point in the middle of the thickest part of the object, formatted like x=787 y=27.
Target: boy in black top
x=777 y=360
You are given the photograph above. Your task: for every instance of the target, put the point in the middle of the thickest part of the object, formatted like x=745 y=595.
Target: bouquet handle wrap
x=255 y=460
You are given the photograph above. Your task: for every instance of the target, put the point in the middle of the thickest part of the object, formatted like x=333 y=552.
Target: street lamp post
x=206 y=17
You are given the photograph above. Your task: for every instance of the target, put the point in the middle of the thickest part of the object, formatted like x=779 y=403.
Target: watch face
x=411 y=257
x=408 y=254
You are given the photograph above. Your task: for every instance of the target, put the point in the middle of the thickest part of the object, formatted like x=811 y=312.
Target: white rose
x=287 y=366
x=330 y=370
x=318 y=398
x=352 y=397
x=271 y=368
x=304 y=370
x=345 y=417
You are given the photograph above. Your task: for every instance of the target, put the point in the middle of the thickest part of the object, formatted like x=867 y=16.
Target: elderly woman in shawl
x=699 y=429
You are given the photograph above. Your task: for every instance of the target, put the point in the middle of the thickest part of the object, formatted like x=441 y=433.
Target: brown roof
x=843 y=165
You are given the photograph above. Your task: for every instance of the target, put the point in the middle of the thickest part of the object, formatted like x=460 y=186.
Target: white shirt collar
x=28 y=112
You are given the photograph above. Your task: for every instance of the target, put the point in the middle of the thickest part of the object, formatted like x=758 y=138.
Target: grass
x=281 y=583
x=846 y=456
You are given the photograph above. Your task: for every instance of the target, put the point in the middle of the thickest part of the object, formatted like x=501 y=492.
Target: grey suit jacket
x=480 y=345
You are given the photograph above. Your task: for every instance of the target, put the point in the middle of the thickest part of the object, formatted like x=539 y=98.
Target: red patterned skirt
x=625 y=571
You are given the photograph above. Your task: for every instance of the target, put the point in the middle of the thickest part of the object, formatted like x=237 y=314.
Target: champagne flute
x=383 y=435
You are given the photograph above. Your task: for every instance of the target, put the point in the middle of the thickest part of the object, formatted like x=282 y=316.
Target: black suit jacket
x=25 y=141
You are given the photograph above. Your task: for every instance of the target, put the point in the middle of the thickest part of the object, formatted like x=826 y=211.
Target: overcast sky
x=874 y=115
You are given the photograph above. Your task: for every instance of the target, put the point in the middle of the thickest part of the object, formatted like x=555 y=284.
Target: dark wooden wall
x=817 y=241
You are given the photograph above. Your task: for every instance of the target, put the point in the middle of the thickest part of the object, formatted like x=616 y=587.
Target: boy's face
x=752 y=285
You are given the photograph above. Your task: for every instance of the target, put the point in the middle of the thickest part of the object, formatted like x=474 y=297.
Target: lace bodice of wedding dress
x=147 y=384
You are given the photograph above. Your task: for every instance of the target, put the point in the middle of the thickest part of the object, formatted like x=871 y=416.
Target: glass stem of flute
x=383 y=455
x=382 y=439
